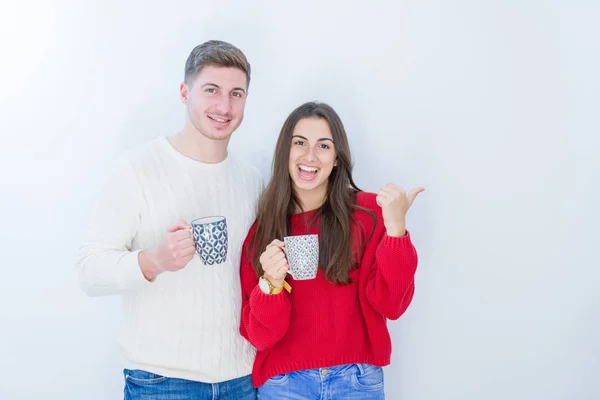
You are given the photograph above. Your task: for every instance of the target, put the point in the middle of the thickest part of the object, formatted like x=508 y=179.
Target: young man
x=180 y=333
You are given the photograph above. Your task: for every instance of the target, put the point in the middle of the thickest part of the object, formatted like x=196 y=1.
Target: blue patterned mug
x=210 y=237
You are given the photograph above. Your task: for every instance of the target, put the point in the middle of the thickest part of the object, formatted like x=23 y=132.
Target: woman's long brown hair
x=279 y=202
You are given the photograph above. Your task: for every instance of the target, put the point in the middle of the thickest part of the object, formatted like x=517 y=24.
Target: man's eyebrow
x=218 y=87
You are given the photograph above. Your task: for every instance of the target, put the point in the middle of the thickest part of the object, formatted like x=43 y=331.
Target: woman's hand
x=394 y=205
x=274 y=263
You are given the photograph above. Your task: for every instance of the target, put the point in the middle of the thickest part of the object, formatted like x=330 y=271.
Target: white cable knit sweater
x=184 y=324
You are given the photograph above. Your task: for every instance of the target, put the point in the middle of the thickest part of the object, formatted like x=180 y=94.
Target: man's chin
x=217 y=135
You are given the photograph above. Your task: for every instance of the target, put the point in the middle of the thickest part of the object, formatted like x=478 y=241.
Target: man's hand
x=173 y=254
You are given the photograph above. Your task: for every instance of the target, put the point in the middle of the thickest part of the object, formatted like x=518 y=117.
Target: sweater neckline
x=308 y=213
x=185 y=160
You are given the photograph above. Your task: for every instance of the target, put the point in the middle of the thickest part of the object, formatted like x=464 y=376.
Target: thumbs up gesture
x=394 y=205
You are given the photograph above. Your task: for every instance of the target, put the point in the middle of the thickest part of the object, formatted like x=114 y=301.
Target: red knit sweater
x=320 y=324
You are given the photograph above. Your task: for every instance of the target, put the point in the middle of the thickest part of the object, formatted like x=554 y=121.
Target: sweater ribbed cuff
x=130 y=275
x=268 y=305
x=396 y=242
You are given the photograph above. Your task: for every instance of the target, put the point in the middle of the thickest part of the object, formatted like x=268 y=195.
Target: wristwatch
x=266 y=287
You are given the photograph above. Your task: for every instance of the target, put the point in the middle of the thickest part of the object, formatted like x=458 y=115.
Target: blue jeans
x=142 y=385
x=343 y=382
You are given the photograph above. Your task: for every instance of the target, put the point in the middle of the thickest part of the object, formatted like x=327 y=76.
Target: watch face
x=264 y=286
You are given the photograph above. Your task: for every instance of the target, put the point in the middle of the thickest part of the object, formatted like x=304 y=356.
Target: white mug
x=302 y=253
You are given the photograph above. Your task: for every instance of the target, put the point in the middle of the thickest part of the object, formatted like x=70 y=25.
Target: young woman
x=324 y=338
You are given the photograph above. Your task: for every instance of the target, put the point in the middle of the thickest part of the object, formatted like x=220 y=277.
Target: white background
x=490 y=105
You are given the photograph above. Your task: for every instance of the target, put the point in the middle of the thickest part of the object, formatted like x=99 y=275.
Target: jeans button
x=324 y=372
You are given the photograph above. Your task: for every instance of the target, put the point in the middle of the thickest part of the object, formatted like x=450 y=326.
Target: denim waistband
x=339 y=370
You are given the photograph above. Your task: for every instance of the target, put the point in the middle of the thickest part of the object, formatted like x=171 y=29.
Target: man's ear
x=184 y=90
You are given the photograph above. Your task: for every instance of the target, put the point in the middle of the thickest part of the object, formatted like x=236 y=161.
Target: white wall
x=488 y=104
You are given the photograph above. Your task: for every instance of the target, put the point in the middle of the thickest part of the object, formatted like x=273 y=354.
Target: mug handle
x=191 y=230
x=286 y=256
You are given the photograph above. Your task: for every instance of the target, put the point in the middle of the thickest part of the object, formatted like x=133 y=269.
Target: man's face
x=215 y=101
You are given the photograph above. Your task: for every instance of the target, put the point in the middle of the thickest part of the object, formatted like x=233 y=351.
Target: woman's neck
x=309 y=200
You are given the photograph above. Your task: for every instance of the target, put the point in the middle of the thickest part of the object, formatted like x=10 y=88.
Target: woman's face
x=312 y=156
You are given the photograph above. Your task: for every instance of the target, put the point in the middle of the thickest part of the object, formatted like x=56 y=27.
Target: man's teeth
x=217 y=119
x=308 y=169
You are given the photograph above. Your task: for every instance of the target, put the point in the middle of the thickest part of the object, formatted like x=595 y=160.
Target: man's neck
x=195 y=145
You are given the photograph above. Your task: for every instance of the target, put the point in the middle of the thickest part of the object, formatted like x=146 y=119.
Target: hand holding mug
x=172 y=254
x=274 y=263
